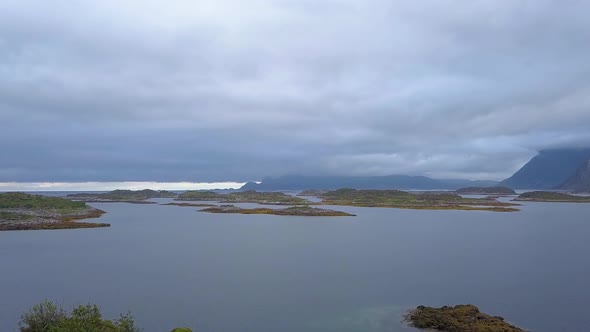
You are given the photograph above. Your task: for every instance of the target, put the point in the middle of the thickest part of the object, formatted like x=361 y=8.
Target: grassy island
x=190 y=204
x=486 y=191
x=460 y=318
x=20 y=211
x=550 y=196
x=406 y=200
x=251 y=196
x=125 y=196
x=312 y=192
x=290 y=211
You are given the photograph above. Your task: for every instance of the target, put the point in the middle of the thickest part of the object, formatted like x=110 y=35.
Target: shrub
x=49 y=317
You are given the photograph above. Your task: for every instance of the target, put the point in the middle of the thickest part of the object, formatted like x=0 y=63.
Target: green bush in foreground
x=49 y=317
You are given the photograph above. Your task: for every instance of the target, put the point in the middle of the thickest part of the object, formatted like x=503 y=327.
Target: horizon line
x=113 y=185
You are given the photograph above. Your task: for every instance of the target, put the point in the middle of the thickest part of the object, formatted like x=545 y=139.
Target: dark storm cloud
x=211 y=91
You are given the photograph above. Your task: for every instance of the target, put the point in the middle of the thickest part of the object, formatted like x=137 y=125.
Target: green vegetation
x=20 y=211
x=291 y=211
x=460 y=318
x=251 y=196
x=49 y=317
x=311 y=192
x=16 y=200
x=190 y=204
x=123 y=195
x=197 y=195
x=550 y=196
x=406 y=200
x=486 y=191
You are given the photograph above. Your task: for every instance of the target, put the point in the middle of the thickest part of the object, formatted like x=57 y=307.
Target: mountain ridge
x=301 y=182
x=549 y=169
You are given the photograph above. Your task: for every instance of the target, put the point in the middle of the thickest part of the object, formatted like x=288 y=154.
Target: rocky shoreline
x=34 y=219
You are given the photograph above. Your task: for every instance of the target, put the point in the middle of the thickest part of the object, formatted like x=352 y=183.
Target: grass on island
x=21 y=211
x=550 y=196
x=460 y=318
x=131 y=196
x=190 y=204
x=251 y=196
x=406 y=200
x=290 y=211
x=486 y=191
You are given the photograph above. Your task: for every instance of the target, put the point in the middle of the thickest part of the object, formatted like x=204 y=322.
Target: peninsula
x=20 y=211
x=305 y=211
x=550 y=196
x=406 y=200
x=250 y=196
x=124 y=196
x=485 y=191
x=460 y=318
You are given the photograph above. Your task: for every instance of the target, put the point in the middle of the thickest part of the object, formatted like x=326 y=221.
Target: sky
x=224 y=90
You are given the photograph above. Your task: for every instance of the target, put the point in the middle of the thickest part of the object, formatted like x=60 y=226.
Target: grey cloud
x=211 y=91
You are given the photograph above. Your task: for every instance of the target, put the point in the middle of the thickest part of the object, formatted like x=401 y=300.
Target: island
x=123 y=196
x=305 y=211
x=407 y=200
x=551 y=196
x=311 y=192
x=460 y=318
x=496 y=191
x=21 y=211
x=250 y=196
x=189 y=204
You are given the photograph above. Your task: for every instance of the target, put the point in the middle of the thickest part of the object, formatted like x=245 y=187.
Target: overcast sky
x=224 y=90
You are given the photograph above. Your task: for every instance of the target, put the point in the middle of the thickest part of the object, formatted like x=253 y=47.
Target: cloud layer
x=229 y=90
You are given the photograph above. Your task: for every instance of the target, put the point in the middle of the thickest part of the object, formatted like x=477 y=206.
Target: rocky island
x=460 y=318
x=485 y=191
x=123 y=196
x=250 y=196
x=20 y=211
x=407 y=200
x=550 y=196
x=290 y=211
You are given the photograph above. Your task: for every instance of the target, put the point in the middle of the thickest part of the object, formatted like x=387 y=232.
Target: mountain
x=299 y=182
x=548 y=170
x=580 y=181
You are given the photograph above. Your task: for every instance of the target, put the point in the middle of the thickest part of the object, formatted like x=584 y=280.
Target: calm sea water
x=173 y=266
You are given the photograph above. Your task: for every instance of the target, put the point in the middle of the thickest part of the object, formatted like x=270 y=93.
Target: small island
x=305 y=211
x=460 y=318
x=551 y=196
x=20 y=211
x=190 y=204
x=123 y=196
x=419 y=201
x=250 y=196
x=312 y=192
x=496 y=191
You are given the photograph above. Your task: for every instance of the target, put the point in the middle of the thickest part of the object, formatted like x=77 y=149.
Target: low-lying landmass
x=460 y=318
x=190 y=204
x=123 y=196
x=21 y=211
x=312 y=192
x=406 y=200
x=550 y=196
x=306 y=211
x=270 y=198
x=486 y=191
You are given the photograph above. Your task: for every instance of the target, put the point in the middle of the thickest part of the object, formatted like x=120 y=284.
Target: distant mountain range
x=298 y=182
x=559 y=169
x=563 y=169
